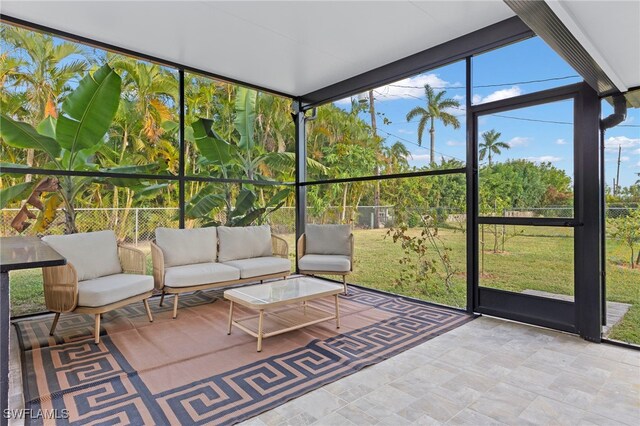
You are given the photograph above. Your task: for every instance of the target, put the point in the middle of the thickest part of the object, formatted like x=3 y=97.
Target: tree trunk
x=69 y=209
x=432 y=148
x=376 y=194
x=344 y=203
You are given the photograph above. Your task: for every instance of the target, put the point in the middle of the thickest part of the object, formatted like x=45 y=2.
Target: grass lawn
x=534 y=258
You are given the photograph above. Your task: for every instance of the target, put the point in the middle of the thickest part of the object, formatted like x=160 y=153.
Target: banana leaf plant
x=71 y=142
x=243 y=159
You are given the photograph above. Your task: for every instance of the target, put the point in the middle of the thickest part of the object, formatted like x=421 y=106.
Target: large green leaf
x=88 y=111
x=202 y=206
x=279 y=197
x=47 y=127
x=22 y=135
x=249 y=218
x=244 y=202
x=210 y=144
x=15 y=192
x=287 y=160
x=245 y=116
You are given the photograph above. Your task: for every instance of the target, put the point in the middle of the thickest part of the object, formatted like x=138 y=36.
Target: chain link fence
x=136 y=225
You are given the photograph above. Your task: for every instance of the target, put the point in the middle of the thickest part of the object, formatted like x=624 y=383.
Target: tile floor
x=487 y=372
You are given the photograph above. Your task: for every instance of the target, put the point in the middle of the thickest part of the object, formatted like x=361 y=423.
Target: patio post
x=301 y=170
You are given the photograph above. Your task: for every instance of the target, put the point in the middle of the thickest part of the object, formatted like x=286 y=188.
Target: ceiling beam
x=564 y=36
x=488 y=38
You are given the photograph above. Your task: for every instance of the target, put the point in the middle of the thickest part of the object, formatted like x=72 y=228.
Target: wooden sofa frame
x=61 y=289
x=280 y=249
x=301 y=245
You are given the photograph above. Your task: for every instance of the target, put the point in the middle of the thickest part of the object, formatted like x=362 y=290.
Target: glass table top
x=283 y=290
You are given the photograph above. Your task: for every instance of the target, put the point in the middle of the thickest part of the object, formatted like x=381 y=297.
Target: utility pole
x=376 y=195
x=616 y=187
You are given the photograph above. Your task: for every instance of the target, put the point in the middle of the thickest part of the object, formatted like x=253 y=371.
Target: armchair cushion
x=328 y=239
x=324 y=262
x=244 y=242
x=198 y=274
x=257 y=266
x=92 y=254
x=187 y=246
x=112 y=288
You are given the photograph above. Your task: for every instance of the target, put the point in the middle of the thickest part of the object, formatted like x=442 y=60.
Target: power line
x=489 y=85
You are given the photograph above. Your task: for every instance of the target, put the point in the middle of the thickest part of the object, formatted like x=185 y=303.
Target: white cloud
x=518 y=141
x=454 y=143
x=497 y=95
x=419 y=157
x=614 y=142
x=412 y=87
x=637 y=151
x=561 y=142
x=624 y=159
x=406 y=132
x=545 y=159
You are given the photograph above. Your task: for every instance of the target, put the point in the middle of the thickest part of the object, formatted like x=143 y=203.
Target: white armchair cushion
x=257 y=266
x=187 y=246
x=324 y=262
x=244 y=242
x=92 y=254
x=328 y=239
x=199 y=273
x=112 y=288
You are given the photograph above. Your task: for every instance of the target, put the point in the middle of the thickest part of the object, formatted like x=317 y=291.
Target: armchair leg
x=175 y=306
x=55 y=323
x=146 y=306
x=161 y=299
x=96 y=331
x=344 y=282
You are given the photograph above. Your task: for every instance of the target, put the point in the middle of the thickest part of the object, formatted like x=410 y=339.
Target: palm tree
x=396 y=157
x=436 y=110
x=490 y=145
x=46 y=69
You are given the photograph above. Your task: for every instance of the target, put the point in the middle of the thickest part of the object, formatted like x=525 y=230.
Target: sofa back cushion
x=187 y=246
x=244 y=242
x=92 y=254
x=328 y=239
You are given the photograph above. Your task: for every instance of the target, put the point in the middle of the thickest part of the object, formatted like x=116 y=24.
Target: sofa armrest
x=280 y=246
x=157 y=258
x=351 y=243
x=301 y=246
x=60 y=287
x=133 y=261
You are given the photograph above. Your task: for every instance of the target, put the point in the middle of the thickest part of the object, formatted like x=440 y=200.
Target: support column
x=181 y=163
x=4 y=345
x=301 y=171
x=588 y=267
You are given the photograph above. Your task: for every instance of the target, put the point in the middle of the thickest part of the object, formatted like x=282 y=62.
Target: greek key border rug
x=189 y=371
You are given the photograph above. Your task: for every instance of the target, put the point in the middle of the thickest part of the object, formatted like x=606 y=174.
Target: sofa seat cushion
x=324 y=262
x=328 y=239
x=112 y=288
x=257 y=266
x=187 y=246
x=198 y=274
x=92 y=254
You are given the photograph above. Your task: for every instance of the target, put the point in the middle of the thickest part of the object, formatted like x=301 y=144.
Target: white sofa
x=99 y=276
x=326 y=250
x=196 y=259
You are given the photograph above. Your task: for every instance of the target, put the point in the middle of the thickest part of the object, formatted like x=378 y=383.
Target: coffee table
x=282 y=306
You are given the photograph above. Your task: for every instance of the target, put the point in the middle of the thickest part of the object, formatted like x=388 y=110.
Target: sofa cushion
x=324 y=262
x=257 y=266
x=244 y=242
x=198 y=274
x=328 y=239
x=92 y=254
x=187 y=246
x=112 y=288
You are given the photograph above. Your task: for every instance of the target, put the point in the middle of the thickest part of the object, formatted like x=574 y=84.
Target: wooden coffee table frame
x=288 y=314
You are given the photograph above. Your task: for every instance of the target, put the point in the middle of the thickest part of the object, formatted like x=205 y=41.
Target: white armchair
x=99 y=276
x=326 y=250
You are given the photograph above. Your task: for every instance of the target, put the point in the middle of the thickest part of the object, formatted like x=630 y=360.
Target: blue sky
x=510 y=71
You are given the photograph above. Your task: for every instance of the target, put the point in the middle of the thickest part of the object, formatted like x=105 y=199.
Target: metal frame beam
x=488 y=38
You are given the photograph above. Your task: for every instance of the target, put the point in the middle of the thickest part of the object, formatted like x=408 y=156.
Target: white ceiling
x=290 y=47
x=610 y=31
x=298 y=47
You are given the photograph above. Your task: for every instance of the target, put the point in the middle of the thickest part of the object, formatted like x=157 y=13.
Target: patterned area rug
x=189 y=371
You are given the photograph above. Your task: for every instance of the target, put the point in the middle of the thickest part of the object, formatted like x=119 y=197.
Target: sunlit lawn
x=539 y=259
